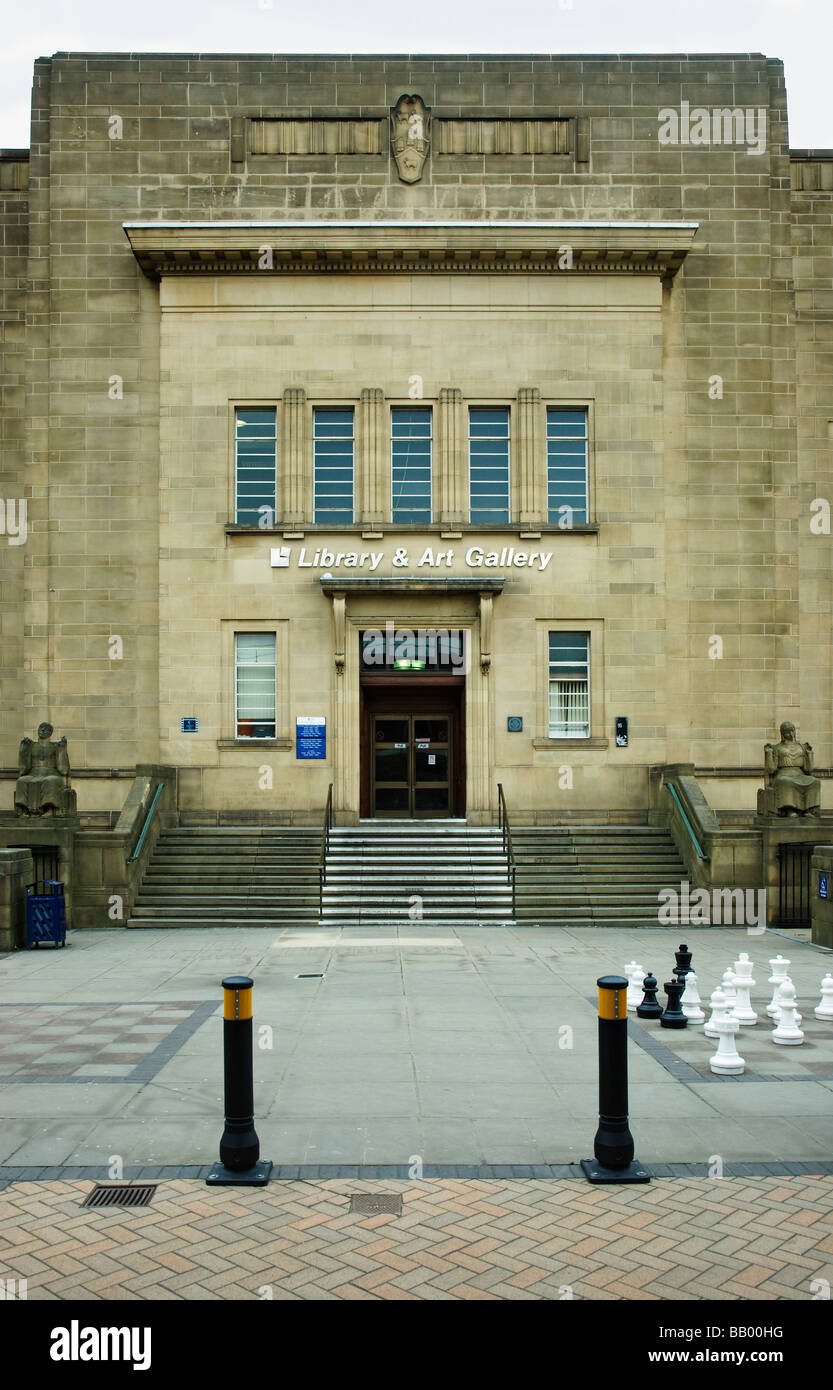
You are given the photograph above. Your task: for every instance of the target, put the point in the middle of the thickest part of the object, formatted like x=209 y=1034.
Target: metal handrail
x=686 y=822
x=503 y=825
x=325 y=845
x=148 y=818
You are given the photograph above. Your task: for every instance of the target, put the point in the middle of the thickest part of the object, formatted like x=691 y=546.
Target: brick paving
x=514 y=1239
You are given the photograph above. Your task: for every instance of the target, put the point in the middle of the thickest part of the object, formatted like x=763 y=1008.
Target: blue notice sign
x=823 y=878
x=189 y=726
x=310 y=737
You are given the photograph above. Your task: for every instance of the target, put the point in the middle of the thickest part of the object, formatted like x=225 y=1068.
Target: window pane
x=256 y=464
x=255 y=684
x=488 y=465
x=567 y=464
x=569 y=686
x=333 y=466
x=411 y=465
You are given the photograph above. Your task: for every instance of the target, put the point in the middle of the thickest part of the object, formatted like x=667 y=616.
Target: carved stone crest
x=409 y=122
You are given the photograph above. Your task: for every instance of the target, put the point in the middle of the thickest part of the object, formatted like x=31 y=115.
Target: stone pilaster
x=294 y=495
x=529 y=465
x=451 y=462
x=372 y=486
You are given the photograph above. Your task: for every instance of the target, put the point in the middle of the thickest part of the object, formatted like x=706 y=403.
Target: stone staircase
x=254 y=876
x=593 y=875
x=231 y=876
x=375 y=870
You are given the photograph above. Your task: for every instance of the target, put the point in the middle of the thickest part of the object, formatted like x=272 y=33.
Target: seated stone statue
x=43 y=788
x=790 y=790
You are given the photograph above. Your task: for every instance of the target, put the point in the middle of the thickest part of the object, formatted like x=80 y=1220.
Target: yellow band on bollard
x=237 y=1003
x=613 y=1003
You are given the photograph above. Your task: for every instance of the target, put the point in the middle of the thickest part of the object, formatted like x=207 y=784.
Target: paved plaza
x=456 y=1068
x=468 y=1047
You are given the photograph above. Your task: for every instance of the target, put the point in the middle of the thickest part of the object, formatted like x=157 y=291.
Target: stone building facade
x=532 y=354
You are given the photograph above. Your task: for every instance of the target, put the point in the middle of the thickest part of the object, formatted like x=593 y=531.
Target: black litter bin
x=46 y=914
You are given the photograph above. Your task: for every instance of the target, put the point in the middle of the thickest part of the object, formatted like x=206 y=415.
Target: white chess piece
x=726 y=1060
x=690 y=1000
x=709 y=1030
x=742 y=1008
x=635 y=975
x=787 y=1031
x=779 y=965
x=824 y=1009
x=727 y=985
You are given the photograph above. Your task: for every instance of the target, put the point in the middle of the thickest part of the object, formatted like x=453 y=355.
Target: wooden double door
x=412 y=750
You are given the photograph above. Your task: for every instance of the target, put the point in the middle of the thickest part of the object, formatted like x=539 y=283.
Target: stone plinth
x=821 y=909
x=16 y=870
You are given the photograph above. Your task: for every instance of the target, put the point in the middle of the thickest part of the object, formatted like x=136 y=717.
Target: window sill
x=254 y=742
x=516 y=528
x=563 y=743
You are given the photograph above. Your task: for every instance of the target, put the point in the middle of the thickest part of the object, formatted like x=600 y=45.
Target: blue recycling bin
x=46 y=914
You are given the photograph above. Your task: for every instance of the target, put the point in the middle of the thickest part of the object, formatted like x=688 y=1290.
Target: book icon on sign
x=280 y=557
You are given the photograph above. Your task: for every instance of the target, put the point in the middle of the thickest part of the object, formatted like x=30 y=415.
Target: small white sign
x=280 y=557
x=432 y=758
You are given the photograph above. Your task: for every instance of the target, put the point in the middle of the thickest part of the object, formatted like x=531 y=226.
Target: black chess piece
x=673 y=1017
x=683 y=966
x=649 y=1008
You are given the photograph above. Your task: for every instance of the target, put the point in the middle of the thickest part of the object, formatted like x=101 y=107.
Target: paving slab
x=459 y=1237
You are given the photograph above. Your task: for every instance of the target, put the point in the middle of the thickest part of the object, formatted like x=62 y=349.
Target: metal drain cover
x=129 y=1194
x=371 y=1203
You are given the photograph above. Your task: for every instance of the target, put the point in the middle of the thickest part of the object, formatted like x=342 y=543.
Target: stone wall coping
x=313 y=245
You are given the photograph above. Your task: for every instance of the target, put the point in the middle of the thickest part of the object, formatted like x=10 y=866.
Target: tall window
x=488 y=465
x=569 y=685
x=567 y=466
x=410 y=465
x=333 y=463
x=255 y=670
x=255 y=466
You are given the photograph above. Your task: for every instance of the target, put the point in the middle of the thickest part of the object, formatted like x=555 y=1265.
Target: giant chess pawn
x=779 y=966
x=787 y=1031
x=683 y=959
x=673 y=1016
x=726 y=1061
x=710 y=1029
x=824 y=1008
x=690 y=1001
x=650 y=1007
x=727 y=985
x=742 y=1008
x=634 y=975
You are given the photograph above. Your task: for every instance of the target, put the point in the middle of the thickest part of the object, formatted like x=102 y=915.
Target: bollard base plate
x=594 y=1171
x=258 y=1176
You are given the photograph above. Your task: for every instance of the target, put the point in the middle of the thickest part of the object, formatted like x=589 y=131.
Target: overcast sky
x=798 y=31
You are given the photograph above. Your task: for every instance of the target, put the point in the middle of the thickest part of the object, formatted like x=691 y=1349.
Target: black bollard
x=240 y=1163
x=683 y=966
x=673 y=1017
x=649 y=1008
x=613 y=1145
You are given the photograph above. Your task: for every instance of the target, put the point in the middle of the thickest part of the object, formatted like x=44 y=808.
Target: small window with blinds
x=566 y=467
x=488 y=466
x=256 y=457
x=255 y=684
x=410 y=465
x=333 y=466
x=569 y=679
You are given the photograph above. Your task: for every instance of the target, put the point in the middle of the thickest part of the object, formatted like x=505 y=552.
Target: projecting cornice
x=310 y=247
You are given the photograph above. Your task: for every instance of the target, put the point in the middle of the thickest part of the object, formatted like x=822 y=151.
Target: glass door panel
x=411 y=771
